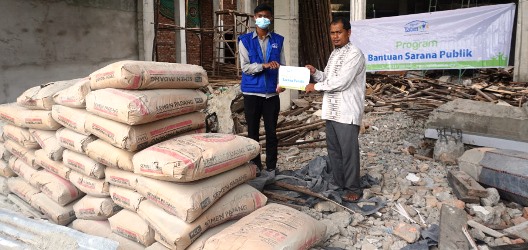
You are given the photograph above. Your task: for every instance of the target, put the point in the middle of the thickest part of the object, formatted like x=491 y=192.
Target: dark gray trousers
x=343 y=153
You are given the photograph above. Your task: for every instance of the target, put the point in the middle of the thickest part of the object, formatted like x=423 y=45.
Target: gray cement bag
x=135 y=107
x=41 y=97
x=59 y=190
x=90 y=186
x=133 y=138
x=126 y=198
x=122 y=178
x=179 y=234
x=23 y=170
x=109 y=155
x=129 y=225
x=5 y=154
x=83 y=164
x=61 y=215
x=189 y=200
x=24 y=154
x=49 y=143
x=73 y=140
x=148 y=75
x=22 y=189
x=55 y=167
x=4 y=189
x=193 y=157
x=74 y=96
x=26 y=118
x=95 y=208
x=21 y=136
x=271 y=227
x=5 y=170
x=71 y=118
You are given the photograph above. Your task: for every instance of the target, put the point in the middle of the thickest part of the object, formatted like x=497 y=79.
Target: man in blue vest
x=261 y=54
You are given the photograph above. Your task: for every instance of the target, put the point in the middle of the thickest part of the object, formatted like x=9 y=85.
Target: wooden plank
x=471 y=186
x=521 y=246
x=452 y=220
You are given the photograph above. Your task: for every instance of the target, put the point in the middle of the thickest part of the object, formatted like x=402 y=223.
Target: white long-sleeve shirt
x=343 y=83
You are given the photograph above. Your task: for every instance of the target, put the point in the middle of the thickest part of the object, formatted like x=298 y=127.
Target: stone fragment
x=492 y=199
x=408 y=232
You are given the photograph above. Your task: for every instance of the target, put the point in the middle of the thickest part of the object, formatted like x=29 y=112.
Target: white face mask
x=262 y=22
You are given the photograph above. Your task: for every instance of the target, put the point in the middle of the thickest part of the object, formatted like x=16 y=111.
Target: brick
x=407 y=232
x=525 y=213
x=518 y=220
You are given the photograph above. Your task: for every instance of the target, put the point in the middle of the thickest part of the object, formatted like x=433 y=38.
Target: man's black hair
x=343 y=20
x=263 y=7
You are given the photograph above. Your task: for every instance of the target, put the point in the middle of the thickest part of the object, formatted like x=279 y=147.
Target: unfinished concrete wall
x=43 y=40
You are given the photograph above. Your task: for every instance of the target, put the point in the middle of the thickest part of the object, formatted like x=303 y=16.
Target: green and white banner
x=477 y=37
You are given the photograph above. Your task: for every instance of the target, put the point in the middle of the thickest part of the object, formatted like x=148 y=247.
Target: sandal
x=351 y=197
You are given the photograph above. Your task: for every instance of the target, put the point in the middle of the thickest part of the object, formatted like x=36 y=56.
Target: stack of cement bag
x=36 y=156
x=5 y=171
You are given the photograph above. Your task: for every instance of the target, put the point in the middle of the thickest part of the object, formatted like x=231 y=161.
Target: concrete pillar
x=179 y=20
x=358 y=10
x=148 y=30
x=520 y=73
x=286 y=15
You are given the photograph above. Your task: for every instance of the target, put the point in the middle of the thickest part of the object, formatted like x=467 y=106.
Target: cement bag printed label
x=56 y=188
x=95 y=208
x=129 y=225
x=121 y=178
x=148 y=75
x=41 y=97
x=193 y=157
x=23 y=170
x=26 y=118
x=199 y=243
x=126 y=198
x=83 y=164
x=139 y=107
x=271 y=227
x=4 y=190
x=61 y=215
x=74 y=96
x=91 y=186
x=237 y=203
x=5 y=154
x=71 y=118
x=189 y=200
x=22 y=189
x=73 y=140
x=5 y=170
x=52 y=166
x=132 y=138
x=109 y=155
x=99 y=228
x=24 y=154
x=21 y=136
x=48 y=141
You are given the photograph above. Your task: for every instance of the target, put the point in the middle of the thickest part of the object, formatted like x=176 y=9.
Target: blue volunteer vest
x=265 y=81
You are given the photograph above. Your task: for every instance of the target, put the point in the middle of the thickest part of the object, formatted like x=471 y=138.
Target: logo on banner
x=416 y=26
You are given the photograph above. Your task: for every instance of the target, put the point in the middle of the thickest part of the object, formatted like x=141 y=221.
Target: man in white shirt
x=343 y=84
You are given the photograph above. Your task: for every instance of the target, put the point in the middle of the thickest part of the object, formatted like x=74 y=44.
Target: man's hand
x=311 y=68
x=271 y=65
x=280 y=89
x=309 y=88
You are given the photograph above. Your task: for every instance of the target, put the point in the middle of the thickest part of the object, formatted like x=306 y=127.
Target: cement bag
x=5 y=154
x=126 y=198
x=4 y=190
x=137 y=137
x=5 y=170
x=129 y=225
x=125 y=244
x=73 y=140
x=237 y=203
x=56 y=188
x=271 y=227
x=2 y=124
x=20 y=135
x=24 y=154
x=23 y=170
x=157 y=245
x=52 y=166
x=83 y=164
x=22 y=189
x=41 y=97
x=148 y=75
x=91 y=186
x=110 y=156
x=55 y=212
x=121 y=178
x=194 y=157
x=95 y=208
x=199 y=243
x=135 y=107
x=189 y=200
x=99 y=228
x=48 y=141
x=71 y=118
x=26 y=118
x=74 y=96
